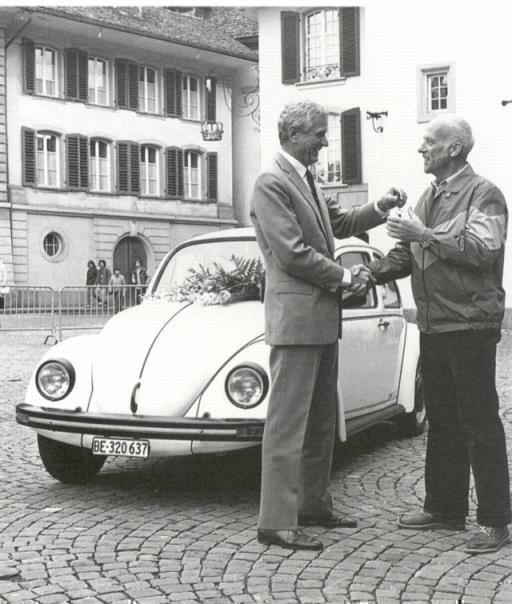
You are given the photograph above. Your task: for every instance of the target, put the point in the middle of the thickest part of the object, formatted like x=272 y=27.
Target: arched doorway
x=126 y=252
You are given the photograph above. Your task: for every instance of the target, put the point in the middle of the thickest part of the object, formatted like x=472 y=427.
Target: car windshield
x=205 y=256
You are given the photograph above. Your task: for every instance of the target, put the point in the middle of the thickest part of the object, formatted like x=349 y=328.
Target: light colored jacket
x=457 y=271
x=302 y=301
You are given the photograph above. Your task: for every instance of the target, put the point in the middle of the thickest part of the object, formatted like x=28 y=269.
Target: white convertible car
x=186 y=371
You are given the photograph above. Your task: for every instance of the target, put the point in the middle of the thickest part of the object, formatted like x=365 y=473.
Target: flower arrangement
x=219 y=285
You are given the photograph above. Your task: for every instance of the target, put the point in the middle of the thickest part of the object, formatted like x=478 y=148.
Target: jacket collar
x=455 y=184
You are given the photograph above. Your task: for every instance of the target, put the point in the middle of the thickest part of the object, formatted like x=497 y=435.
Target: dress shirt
x=437 y=185
x=301 y=170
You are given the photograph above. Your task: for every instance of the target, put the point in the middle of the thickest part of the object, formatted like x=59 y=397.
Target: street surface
x=185 y=530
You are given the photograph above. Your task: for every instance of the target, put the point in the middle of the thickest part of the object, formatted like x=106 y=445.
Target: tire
x=415 y=422
x=69 y=464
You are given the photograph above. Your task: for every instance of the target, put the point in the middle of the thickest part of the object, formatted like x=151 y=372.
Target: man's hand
x=407 y=228
x=362 y=280
x=394 y=198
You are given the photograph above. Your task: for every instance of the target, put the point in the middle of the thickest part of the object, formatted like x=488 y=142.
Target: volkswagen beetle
x=186 y=372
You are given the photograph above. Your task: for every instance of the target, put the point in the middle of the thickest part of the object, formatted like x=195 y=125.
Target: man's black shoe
x=331 y=520
x=424 y=521
x=291 y=539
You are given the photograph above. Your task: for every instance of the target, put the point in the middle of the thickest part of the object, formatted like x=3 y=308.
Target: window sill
x=321 y=83
x=198 y=201
x=430 y=115
x=332 y=185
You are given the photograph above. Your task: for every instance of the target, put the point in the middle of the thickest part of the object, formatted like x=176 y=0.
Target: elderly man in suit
x=294 y=228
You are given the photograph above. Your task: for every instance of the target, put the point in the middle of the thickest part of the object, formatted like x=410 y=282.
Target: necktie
x=311 y=183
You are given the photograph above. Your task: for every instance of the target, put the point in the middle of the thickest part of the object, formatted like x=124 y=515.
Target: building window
x=328 y=168
x=147 y=90
x=100 y=167
x=47 y=160
x=437 y=86
x=149 y=167
x=192 y=175
x=52 y=244
x=46 y=71
x=321 y=42
x=436 y=91
x=190 y=97
x=98 y=81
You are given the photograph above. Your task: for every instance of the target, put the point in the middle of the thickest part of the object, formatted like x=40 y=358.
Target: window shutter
x=83 y=76
x=29 y=156
x=123 y=169
x=211 y=100
x=179 y=93
x=133 y=86
x=290 y=47
x=134 y=168
x=75 y=65
x=211 y=176
x=351 y=146
x=170 y=92
x=77 y=158
x=29 y=66
x=349 y=41
x=120 y=69
x=83 y=145
x=174 y=172
x=128 y=167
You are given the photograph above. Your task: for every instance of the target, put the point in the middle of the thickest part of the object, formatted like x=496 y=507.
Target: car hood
x=172 y=350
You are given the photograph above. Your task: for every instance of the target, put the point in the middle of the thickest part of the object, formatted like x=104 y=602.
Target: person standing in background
x=90 y=281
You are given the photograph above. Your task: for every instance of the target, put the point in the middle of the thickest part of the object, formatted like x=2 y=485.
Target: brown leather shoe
x=291 y=539
x=424 y=521
x=330 y=520
x=487 y=540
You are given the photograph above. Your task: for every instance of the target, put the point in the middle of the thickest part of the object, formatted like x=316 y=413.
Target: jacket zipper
x=425 y=290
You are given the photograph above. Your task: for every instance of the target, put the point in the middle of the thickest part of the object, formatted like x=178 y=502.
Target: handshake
x=362 y=280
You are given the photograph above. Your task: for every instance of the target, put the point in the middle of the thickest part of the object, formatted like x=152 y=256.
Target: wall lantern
x=376 y=115
x=212 y=131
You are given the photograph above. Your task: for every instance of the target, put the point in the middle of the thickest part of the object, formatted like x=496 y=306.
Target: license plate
x=120 y=447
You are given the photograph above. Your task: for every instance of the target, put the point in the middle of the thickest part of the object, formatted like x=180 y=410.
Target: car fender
x=406 y=392
x=214 y=401
x=78 y=351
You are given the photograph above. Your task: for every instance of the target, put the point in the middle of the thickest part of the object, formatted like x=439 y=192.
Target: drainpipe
x=8 y=190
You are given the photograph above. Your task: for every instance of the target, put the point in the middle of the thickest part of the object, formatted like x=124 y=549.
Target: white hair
x=298 y=115
x=456 y=130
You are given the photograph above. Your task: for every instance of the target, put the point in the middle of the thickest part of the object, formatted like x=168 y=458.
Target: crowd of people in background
x=102 y=284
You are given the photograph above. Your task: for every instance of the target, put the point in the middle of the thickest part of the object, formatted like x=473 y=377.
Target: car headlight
x=55 y=379
x=247 y=385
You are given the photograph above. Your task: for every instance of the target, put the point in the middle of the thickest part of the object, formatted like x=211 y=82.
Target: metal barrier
x=27 y=308
x=38 y=308
x=90 y=306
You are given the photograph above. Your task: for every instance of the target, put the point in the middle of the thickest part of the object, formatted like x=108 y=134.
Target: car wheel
x=67 y=463
x=414 y=423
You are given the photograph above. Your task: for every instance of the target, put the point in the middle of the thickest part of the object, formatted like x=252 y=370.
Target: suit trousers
x=299 y=434
x=465 y=428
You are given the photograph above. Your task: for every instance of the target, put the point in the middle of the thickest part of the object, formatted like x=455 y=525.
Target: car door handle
x=383 y=324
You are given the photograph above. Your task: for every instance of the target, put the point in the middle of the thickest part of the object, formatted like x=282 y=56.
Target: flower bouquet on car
x=221 y=285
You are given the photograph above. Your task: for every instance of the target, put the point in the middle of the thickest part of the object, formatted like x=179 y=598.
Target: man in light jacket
x=453 y=247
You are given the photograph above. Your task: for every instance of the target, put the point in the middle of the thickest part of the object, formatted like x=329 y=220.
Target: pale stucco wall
x=396 y=40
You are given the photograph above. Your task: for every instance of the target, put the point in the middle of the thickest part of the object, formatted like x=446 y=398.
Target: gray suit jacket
x=296 y=240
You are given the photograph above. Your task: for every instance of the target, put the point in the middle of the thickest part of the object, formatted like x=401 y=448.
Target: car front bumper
x=157 y=427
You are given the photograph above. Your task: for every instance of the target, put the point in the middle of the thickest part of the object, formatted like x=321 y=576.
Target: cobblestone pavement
x=184 y=530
